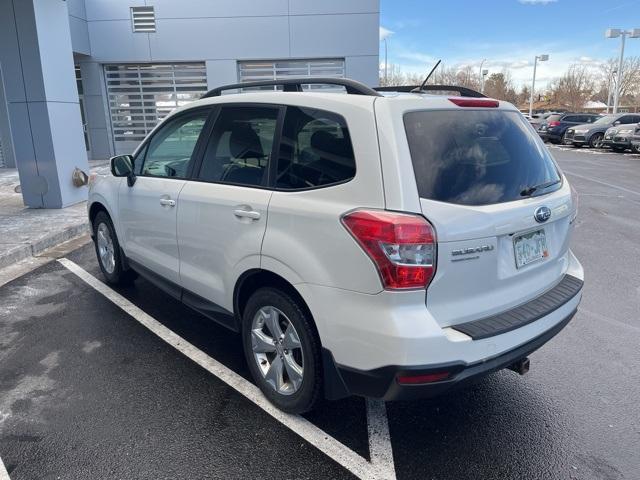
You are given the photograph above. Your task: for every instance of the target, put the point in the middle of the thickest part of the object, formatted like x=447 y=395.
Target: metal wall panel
x=142 y=95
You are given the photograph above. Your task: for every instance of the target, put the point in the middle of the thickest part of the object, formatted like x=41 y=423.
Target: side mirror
x=122 y=166
x=617 y=122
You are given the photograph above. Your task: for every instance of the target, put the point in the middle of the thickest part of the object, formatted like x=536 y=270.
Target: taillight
x=422 y=378
x=475 y=102
x=402 y=246
x=554 y=124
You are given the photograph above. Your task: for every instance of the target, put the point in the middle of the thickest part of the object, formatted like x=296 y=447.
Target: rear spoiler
x=460 y=91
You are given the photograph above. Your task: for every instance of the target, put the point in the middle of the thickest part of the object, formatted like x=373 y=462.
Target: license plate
x=530 y=247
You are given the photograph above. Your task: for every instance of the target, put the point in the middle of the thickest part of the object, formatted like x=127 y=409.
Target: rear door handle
x=167 y=202
x=246 y=212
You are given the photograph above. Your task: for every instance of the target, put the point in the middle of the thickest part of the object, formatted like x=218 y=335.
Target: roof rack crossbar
x=462 y=91
x=295 y=85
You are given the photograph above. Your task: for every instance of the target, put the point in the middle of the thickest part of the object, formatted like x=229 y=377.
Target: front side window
x=477 y=157
x=171 y=147
x=606 y=119
x=239 y=149
x=315 y=150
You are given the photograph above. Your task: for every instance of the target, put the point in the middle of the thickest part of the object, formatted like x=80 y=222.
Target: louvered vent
x=143 y=19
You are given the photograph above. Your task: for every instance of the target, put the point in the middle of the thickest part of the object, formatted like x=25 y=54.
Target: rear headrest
x=244 y=142
x=324 y=142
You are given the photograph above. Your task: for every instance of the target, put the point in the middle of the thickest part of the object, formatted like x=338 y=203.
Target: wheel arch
x=334 y=387
x=256 y=278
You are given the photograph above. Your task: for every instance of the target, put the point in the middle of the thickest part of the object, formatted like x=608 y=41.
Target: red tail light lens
x=425 y=378
x=475 y=102
x=554 y=124
x=402 y=246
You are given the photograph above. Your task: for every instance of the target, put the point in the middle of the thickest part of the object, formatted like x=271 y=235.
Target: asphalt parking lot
x=96 y=383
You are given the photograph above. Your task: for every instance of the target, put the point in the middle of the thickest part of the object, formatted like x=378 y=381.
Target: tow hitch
x=521 y=366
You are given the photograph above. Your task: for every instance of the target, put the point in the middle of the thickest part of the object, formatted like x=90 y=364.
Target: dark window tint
x=240 y=146
x=627 y=119
x=171 y=147
x=476 y=157
x=572 y=118
x=315 y=150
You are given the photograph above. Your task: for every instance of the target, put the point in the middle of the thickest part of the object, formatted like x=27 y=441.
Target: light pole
x=484 y=74
x=480 y=69
x=615 y=33
x=386 y=65
x=611 y=79
x=542 y=58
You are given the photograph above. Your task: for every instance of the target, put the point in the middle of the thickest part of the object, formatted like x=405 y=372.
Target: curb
x=32 y=249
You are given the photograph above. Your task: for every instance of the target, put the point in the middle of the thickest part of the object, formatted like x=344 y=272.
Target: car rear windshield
x=553 y=118
x=477 y=157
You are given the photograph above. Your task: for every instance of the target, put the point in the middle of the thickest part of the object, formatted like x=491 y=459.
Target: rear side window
x=240 y=146
x=315 y=150
x=476 y=157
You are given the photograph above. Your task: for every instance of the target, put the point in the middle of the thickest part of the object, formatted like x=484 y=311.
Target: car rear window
x=476 y=157
x=553 y=118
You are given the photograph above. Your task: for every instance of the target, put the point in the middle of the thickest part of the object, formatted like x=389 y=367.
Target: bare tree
x=393 y=76
x=630 y=85
x=500 y=86
x=574 y=88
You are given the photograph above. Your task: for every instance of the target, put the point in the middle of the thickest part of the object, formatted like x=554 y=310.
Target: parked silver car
x=592 y=134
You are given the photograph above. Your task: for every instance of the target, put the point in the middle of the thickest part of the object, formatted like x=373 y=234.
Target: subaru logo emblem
x=542 y=214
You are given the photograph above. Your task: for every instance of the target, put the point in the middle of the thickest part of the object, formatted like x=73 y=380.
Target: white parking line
x=379 y=438
x=378 y=469
x=4 y=475
x=611 y=185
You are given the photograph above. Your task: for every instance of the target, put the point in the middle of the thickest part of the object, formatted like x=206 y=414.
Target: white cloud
x=385 y=33
x=537 y=2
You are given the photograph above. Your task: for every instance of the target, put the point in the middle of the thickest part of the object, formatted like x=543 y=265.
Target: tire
x=596 y=140
x=270 y=364
x=109 y=253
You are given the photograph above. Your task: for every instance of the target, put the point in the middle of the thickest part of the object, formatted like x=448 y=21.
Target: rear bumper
x=383 y=382
x=559 y=302
x=550 y=136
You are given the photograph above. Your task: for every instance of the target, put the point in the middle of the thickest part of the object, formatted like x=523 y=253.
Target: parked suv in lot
x=592 y=134
x=635 y=139
x=555 y=126
x=387 y=246
x=619 y=138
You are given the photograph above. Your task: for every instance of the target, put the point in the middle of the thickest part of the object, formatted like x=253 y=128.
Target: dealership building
x=88 y=79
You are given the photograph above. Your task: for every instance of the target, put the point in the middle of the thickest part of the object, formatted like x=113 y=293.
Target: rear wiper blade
x=541 y=186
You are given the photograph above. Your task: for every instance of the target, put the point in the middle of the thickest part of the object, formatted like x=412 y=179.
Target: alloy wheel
x=596 y=140
x=105 y=248
x=277 y=350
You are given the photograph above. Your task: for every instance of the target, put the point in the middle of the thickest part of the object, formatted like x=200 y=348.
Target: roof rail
x=462 y=91
x=295 y=85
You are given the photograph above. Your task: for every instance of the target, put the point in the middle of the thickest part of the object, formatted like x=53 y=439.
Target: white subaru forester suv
x=392 y=246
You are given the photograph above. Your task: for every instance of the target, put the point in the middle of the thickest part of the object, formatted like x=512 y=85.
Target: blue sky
x=507 y=33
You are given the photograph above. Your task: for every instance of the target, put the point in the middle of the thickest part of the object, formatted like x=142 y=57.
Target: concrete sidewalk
x=26 y=232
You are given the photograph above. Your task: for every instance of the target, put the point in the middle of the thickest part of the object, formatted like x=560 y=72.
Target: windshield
x=606 y=119
x=477 y=157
